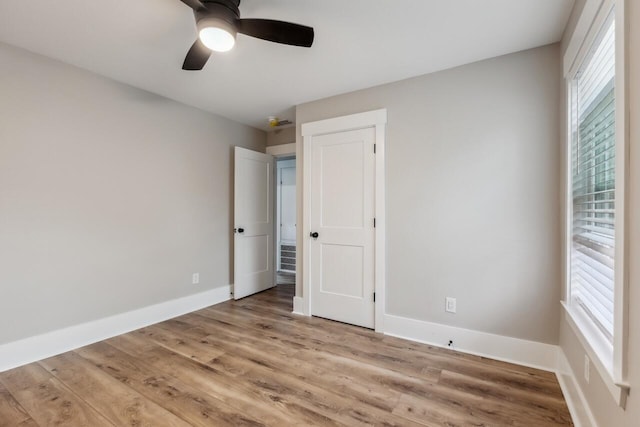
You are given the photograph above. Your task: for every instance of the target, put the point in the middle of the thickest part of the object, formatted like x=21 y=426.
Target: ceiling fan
x=218 y=22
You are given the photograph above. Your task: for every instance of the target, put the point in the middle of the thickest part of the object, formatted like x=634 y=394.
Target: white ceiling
x=358 y=44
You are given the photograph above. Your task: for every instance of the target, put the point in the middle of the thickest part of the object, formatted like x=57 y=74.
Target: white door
x=253 y=222
x=342 y=214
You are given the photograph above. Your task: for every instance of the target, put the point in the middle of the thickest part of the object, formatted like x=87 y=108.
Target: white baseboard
x=581 y=414
x=298 y=306
x=40 y=347
x=513 y=350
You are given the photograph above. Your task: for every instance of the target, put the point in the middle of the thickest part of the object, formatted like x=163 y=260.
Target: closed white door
x=253 y=222
x=341 y=248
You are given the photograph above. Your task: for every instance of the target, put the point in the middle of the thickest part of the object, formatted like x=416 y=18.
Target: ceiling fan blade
x=277 y=31
x=197 y=56
x=194 y=4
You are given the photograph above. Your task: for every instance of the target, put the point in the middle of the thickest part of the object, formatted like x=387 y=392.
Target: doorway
x=285 y=202
x=264 y=219
x=286 y=220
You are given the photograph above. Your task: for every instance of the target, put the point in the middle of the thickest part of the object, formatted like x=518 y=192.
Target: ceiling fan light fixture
x=217 y=33
x=217 y=39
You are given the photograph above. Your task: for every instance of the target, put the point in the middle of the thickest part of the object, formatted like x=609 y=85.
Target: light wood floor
x=251 y=363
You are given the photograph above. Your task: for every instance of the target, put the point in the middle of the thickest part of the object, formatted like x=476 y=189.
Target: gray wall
x=604 y=409
x=472 y=192
x=281 y=136
x=110 y=197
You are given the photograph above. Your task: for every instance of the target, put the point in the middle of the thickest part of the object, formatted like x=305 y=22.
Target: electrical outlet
x=450 y=305
x=587 y=368
x=195 y=278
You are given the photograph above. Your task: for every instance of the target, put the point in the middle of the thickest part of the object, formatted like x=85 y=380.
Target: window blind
x=593 y=182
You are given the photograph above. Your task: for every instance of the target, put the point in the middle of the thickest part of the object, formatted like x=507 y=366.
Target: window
x=597 y=147
x=593 y=150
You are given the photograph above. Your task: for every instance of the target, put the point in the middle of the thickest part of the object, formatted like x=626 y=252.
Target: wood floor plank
x=270 y=365
x=330 y=375
x=287 y=341
x=356 y=410
x=411 y=363
x=541 y=408
x=434 y=414
x=252 y=359
x=463 y=408
x=113 y=399
x=48 y=401
x=11 y=412
x=181 y=398
x=172 y=339
x=253 y=363
x=271 y=408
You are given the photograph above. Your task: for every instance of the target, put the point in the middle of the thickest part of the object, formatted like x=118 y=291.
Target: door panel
x=256 y=253
x=342 y=212
x=341 y=178
x=253 y=222
x=339 y=276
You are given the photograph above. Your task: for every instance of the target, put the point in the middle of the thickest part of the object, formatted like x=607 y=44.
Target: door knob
x=240 y=230
x=315 y=234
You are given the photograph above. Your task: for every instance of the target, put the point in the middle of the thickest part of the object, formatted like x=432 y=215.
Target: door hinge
x=374 y=297
x=374 y=223
x=374 y=148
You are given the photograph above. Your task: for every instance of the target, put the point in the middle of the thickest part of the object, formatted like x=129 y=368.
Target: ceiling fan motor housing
x=220 y=14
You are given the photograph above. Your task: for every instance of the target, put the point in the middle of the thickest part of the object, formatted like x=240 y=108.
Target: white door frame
x=282 y=150
x=376 y=119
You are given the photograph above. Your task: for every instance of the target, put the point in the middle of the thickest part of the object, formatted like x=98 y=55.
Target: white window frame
x=609 y=359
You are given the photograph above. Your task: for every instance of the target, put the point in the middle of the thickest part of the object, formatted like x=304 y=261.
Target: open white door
x=342 y=235
x=253 y=222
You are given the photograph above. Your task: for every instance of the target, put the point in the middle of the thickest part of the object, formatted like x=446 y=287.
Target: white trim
x=599 y=351
x=580 y=37
x=513 y=350
x=306 y=213
x=276 y=241
x=622 y=214
x=345 y=123
x=581 y=414
x=40 y=347
x=298 y=306
x=376 y=119
x=282 y=150
x=380 y=229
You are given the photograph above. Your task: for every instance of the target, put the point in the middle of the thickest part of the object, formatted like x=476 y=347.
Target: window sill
x=599 y=350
